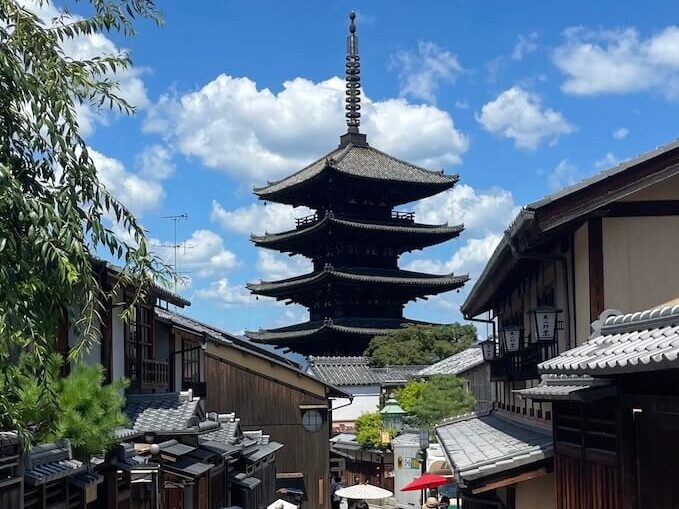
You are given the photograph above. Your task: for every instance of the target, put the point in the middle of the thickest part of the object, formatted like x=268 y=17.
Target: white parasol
x=282 y=504
x=363 y=492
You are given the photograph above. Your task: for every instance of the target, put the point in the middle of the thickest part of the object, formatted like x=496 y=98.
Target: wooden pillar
x=596 y=268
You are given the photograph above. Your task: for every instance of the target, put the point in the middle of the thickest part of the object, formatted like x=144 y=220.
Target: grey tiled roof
x=263 y=450
x=163 y=412
x=50 y=462
x=455 y=364
x=363 y=162
x=568 y=388
x=356 y=371
x=220 y=336
x=412 y=229
x=8 y=438
x=377 y=276
x=479 y=445
x=641 y=341
x=407 y=440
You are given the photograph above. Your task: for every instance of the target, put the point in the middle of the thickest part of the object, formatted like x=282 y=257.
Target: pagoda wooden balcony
x=400 y=215
x=306 y=220
x=523 y=364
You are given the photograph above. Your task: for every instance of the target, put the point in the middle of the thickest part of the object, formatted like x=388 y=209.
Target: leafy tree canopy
x=420 y=344
x=369 y=429
x=79 y=407
x=89 y=411
x=53 y=207
x=432 y=401
x=407 y=396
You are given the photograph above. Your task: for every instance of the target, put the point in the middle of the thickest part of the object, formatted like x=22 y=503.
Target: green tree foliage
x=53 y=207
x=369 y=428
x=89 y=411
x=407 y=396
x=78 y=407
x=440 y=397
x=420 y=344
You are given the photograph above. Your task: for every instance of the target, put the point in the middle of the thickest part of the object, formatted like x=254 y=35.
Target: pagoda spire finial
x=353 y=78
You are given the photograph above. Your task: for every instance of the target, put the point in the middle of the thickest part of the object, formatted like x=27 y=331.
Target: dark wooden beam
x=596 y=268
x=507 y=481
x=643 y=208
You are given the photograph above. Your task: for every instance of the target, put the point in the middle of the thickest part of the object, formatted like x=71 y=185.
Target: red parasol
x=427 y=481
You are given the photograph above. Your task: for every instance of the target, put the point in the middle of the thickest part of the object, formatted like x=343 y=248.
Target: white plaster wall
x=366 y=399
x=640 y=271
x=404 y=475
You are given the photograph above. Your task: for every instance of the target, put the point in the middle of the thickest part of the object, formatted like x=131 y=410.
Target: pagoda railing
x=403 y=216
x=398 y=215
x=306 y=220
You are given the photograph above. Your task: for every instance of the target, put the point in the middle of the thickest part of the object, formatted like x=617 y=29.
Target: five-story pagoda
x=356 y=290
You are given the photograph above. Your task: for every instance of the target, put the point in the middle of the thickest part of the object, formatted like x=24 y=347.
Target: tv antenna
x=175 y=219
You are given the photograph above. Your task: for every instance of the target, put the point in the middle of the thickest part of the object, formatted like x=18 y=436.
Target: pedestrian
x=335 y=485
x=431 y=503
x=361 y=504
x=344 y=504
x=444 y=503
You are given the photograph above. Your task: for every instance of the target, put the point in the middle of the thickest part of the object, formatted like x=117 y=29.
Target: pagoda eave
x=404 y=237
x=309 y=338
x=416 y=283
x=363 y=169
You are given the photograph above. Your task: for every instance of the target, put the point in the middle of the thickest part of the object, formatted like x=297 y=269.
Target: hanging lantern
x=544 y=322
x=488 y=349
x=511 y=337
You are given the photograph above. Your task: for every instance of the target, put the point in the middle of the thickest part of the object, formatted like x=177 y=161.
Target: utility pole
x=175 y=219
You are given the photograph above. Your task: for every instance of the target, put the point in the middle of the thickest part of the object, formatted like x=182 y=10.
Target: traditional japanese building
x=355 y=237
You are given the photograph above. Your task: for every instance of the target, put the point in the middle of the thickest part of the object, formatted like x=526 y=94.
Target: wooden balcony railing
x=306 y=220
x=403 y=216
x=154 y=372
x=522 y=365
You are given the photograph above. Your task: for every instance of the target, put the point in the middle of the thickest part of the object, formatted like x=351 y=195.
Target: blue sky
x=519 y=98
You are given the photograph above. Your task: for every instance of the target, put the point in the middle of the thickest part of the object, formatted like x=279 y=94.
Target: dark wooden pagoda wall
x=270 y=405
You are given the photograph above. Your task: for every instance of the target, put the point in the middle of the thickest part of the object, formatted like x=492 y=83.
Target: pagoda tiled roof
x=417 y=229
x=363 y=275
x=361 y=162
x=309 y=330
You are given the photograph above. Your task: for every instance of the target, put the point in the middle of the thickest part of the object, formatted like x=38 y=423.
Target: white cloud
x=564 y=174
x=525 y=45
x=422 y=72
x=482 y=212
x=131 y=86
x=469 y=259
x=255 y=134
x=156 y=162
x=137 y=193
x=620 y=134
x=201 y=255
x=519 y=115
x=273 y=266
x=619 y=61
x=223 y=294
x=608 y=161
x=256 y=218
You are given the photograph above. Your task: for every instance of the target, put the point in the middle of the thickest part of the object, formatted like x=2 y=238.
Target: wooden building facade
x=268 y=393
x=616 y=413
x=603 y=243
